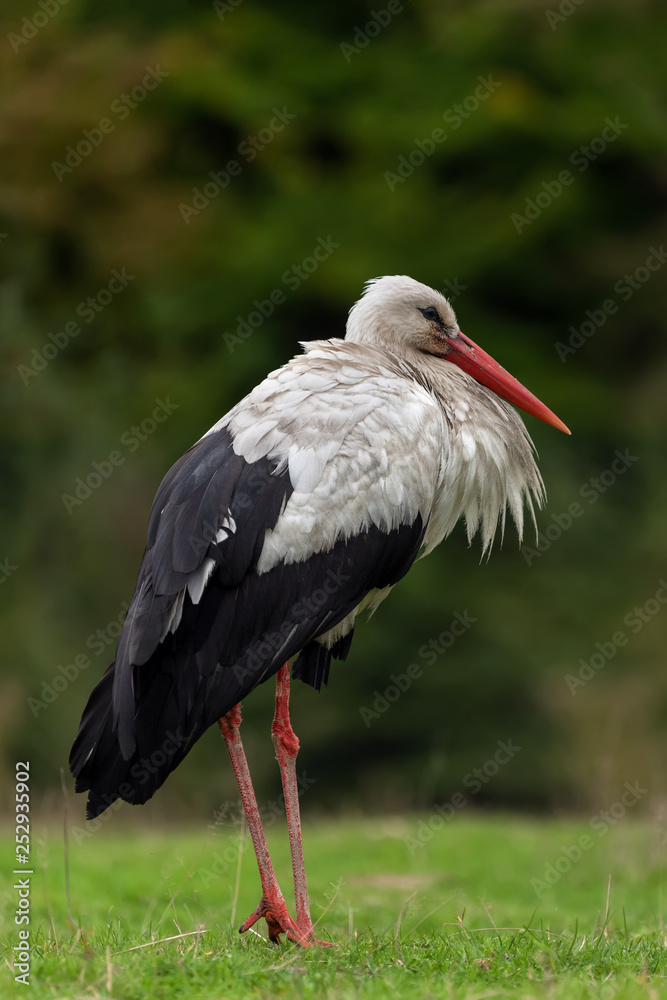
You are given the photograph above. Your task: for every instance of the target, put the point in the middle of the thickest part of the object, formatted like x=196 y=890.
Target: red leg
x=272 y=905
x=286 y=744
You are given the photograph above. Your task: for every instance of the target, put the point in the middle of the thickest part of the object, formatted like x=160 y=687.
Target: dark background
x=449 y=224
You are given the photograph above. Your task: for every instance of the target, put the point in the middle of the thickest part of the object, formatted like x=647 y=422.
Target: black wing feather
x=167 y=687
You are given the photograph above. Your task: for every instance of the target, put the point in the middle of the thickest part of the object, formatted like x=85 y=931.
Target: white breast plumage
x=368 y=441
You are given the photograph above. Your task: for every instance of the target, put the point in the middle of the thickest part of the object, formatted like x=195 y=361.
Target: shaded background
x=519 y=288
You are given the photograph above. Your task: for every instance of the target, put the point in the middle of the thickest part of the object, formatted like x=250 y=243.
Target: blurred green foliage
x=358 y=113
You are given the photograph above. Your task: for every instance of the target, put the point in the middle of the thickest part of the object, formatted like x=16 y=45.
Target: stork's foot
x=277 y=919
x=280 y=922
x=308 y=937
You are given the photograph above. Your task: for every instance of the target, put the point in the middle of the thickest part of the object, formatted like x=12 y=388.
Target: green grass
x=457 y=918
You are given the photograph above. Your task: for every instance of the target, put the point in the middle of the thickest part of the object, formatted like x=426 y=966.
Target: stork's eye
x=430 y=313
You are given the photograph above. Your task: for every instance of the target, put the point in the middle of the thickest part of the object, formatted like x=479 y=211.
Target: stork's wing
x=225 y=595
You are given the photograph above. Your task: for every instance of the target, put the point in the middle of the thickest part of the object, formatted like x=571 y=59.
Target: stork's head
x=405 y=316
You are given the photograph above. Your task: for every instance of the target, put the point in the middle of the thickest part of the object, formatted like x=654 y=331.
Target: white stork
x=301 y=507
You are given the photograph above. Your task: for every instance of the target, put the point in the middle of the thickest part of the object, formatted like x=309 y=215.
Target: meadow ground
x=470 y=913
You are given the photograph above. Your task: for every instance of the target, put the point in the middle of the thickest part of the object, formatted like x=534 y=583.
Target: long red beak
x=476 y=362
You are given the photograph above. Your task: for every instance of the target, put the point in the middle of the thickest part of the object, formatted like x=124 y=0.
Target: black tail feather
x=314 y=662
x=96 y=760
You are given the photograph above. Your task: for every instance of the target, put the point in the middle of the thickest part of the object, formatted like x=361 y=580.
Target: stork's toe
x=279 y=921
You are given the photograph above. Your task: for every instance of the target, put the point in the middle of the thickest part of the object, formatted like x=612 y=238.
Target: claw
x=277 y=919
x=280 y=922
